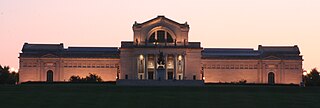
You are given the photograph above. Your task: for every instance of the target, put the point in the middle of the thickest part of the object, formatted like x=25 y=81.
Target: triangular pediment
x=272 y=58
x=160 y=20
x=49 y=56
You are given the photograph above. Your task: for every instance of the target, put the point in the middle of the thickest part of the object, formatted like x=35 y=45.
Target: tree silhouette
x=93 y=78
x=313 y=79
x=75 y=79
x=90 y=78
x=6 y=77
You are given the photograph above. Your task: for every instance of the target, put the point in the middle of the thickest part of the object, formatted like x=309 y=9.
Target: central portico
x=160 y=51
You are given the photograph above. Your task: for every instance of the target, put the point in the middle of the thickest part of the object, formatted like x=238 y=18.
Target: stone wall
x=252 y=71
x=35 y=69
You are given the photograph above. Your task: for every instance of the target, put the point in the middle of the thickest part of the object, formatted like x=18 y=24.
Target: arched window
x=160 y=36
x=169 y=38
x=152 y=38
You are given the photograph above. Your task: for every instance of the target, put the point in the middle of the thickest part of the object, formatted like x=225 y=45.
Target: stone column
x=166 y=69
x=137 y=57
x=145 y=66
x=175 y=67
x=282 y=72
x=258 y=71
x=155 y=66
x=184 y=66
x=41 y=74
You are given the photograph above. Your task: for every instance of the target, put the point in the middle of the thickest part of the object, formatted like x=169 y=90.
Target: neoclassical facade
x=161 y=50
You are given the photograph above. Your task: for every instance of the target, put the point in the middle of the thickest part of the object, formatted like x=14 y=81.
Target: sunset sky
x=214 y=23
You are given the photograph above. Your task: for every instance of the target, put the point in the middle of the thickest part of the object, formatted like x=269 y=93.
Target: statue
x=161 y=72
x=161 y=60
x=137 y=41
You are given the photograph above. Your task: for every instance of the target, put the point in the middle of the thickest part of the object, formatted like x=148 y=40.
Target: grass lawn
x=111 y=96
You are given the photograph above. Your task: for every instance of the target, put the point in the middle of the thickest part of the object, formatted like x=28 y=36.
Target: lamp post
x=304 y=78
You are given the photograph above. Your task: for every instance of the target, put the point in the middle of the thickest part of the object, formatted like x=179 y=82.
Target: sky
x=214 y=23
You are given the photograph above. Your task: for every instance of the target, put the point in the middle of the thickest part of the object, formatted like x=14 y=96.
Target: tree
x=75 y=79
x=313 y=79
x=90 y=78
x=93 y=78
x=6 y=77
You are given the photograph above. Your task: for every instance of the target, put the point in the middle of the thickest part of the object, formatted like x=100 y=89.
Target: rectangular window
x=241 y=66
x=286 y=66
x=291 y=66
x=232 y=67
x=236 y=66
x=111 y=65
x=250 y=66
x=70 y=65
x=25 y=65
x=74 y=65
x=246 y=67
x=209 y=67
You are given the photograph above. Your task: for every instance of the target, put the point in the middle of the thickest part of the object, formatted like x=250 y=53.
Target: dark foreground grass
x=111 y=96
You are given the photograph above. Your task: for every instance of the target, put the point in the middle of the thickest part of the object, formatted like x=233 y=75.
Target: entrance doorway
x=150 y=75
x=170 y=75
x=271 y=78
x=49 y=76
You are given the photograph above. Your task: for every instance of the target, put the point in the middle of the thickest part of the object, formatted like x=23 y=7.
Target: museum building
x=161 y=50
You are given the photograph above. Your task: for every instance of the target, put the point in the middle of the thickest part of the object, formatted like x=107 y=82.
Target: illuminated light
x=304 y=73
x=179 y=57
x=13 y=70
x=203 y=78
x=141 y=57
x=309 y=71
